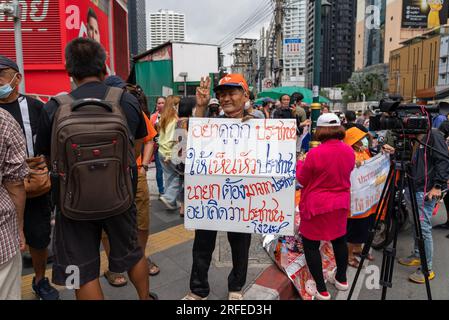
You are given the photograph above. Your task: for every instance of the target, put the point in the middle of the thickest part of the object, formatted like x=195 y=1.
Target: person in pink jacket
x=326 y=201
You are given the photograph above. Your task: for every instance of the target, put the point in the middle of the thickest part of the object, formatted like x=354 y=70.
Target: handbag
x=38 y=182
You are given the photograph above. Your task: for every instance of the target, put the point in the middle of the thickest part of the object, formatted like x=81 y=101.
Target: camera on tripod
x=406 y=119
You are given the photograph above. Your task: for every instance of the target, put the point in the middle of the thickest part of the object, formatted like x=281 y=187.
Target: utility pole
x=279 y=24
x=316 y=106
x=13 y=10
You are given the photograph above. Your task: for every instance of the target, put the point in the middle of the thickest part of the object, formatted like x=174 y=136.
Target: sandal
x=354 y=263
x=153 y=269
x=113 y=278
x=153 y=296
x=370 y=257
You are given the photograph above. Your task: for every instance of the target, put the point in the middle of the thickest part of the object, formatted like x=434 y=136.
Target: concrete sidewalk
x=175 y=263
x=170 y=247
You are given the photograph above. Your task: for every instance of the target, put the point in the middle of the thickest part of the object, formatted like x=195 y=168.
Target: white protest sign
x=240 y=177
x=367 y=183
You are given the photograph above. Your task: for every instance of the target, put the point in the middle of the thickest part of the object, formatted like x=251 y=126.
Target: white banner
x=367 y=183
x=240 y=177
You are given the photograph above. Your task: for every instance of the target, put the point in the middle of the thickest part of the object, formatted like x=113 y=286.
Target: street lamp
x=316 y=106
x=13 y=10
x=184 y=75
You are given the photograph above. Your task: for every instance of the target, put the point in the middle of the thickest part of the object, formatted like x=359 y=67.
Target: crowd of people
x=29 y=130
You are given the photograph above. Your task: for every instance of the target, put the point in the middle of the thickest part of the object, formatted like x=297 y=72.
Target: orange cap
x=233 y=80
x=353 y=135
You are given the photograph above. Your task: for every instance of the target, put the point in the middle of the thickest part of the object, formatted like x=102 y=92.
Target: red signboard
x=88 y=19
x=41 y=33
x=47 y=26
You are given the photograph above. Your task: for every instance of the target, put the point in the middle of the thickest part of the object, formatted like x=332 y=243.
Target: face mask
x=365 y=143
x=247 y=105
x=6 y=90
x=213 y=109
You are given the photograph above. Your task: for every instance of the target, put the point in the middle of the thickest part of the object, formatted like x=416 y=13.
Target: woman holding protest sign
x=326 y=220
x=358 y=227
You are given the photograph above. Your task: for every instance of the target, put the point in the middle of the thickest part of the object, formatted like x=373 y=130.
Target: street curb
x=272 y=284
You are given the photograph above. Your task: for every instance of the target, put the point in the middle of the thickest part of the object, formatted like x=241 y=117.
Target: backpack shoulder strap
x=65 y=99
x=113 y=96
x=64 y=105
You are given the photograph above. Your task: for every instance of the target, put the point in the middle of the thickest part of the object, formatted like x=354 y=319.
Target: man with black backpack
x=90 y=135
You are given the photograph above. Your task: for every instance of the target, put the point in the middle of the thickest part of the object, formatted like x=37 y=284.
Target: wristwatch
x=145 y=167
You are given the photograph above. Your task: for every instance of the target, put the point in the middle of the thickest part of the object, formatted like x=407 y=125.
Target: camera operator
x=429 y=182
x=444 y=128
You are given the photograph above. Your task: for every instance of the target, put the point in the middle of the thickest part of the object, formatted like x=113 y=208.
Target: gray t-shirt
x=258 y=114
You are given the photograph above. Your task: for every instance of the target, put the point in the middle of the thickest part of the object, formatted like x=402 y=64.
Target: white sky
x=209 y=21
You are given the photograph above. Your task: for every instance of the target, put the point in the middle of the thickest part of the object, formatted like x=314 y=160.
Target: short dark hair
x=91 y=14
x=85 y=58
x=350 y=116
x=297 y=97
x=185 y=108
x=323 y=134
x=284 y=95
x=138 y=92
x=161 y=97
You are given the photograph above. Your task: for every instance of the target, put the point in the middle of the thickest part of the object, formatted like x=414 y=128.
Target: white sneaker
x=325 y=296
x=191 y=296
x=167 y=204
x=341 y=286
x=235 y=295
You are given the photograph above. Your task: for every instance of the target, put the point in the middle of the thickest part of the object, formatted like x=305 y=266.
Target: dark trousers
x=204 y=246
x=159 y=173
x=313 y=258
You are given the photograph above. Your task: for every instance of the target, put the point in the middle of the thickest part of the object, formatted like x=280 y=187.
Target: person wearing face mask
x=249 y=108
x=27 y=111
x=213 y=108
x=359 y=226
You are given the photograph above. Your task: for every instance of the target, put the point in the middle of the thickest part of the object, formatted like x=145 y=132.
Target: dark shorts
x=36 y=222
x=77 y=243
x=358 y=229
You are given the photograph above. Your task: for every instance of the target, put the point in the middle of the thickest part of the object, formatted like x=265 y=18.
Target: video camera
x=408 y=119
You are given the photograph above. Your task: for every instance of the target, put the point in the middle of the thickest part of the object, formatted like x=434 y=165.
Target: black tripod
x=392 y=196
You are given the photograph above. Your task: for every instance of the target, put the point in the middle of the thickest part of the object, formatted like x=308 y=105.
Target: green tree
x=369 y=84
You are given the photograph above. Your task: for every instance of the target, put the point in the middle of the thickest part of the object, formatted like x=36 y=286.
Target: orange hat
x=353 y=135
x=233 y=80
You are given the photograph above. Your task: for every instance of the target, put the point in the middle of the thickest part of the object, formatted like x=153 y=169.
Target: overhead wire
x=264 y=6
x=249 y=28
x=250 y=23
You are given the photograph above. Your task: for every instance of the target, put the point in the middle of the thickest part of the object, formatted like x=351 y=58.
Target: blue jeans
x=159 y=173
x=425 y=215
x=172 y=182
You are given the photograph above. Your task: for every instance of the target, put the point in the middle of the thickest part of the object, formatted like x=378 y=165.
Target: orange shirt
x=151 y=134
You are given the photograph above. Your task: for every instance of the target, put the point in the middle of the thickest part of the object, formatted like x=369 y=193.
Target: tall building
x=295 y=29
x=382 y=25
x=419 y=69
x=164 y=26
x=137 y=27
x=337 y=42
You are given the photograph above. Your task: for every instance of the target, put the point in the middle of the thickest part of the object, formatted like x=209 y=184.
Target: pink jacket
x=326 y=179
